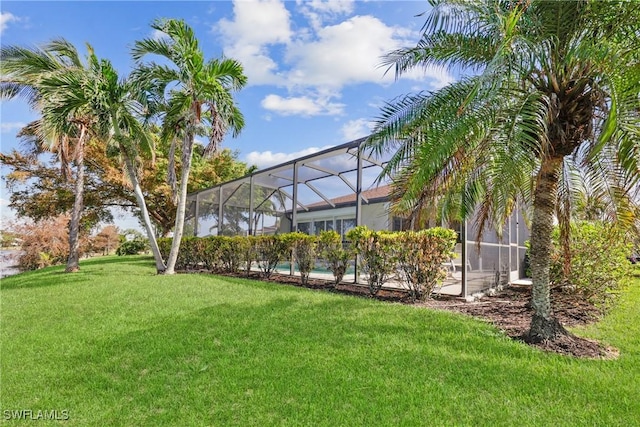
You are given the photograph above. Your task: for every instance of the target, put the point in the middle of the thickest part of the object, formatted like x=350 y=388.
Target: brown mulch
x=508 y=309
x=511 y=312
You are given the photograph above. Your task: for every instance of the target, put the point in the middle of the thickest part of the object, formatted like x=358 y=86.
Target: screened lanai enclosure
x=335 y=189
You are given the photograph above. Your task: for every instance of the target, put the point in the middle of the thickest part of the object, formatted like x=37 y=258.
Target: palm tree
x=550 y=79
x=115 y=104
x=198 y=94
x=52 y=80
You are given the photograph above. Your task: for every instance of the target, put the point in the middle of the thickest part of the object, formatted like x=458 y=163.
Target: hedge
x=417 y=257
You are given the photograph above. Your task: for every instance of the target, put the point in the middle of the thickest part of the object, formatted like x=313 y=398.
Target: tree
x=107 y=240
x=44 y=243
x=39 y=191
x=552 y=81
x=115 y=104
x=54 y=81
x=198 y=93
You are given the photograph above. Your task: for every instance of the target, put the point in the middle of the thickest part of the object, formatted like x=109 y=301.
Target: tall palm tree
x=198 y=93
x=548 y=79
x=117 y=105
x=52 y=80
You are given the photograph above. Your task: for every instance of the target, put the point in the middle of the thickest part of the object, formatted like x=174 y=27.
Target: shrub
x=270 y=251
x=599 y=264
x=378 y=255
x=46 y=243
x=164 y=245
x=248 y=247
x=335 y=257
x=131 y=247
x=420 y=256
x=304 y=253
x=187 y=255
x=232 y=252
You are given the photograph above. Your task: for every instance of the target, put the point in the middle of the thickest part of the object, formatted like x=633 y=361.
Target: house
x=339 y=213
x=335 y=189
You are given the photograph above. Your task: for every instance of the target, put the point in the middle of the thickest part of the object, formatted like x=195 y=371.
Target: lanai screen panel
x=269 y=208
x=235 y=208
x=486 y=260
x=208 y=207
x=263 y=203
x=495 y=259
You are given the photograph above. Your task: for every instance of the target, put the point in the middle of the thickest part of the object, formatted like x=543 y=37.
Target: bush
x=164 y=245
x=248 y=247
x=46 y=243
x=232 y=251
x=131 y=247
x=187 y=254
x=304 y=253
x=599 y=263
x=335 y=257
x=378 y=255
x=420 y=256
x=270 y=251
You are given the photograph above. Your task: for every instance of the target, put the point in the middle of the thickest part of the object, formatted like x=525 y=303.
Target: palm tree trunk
x=543 y=325
x=153 y=243
x=73 y=261
x=182 y=204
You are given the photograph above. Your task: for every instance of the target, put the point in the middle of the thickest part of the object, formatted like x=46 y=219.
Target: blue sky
x=314 y=78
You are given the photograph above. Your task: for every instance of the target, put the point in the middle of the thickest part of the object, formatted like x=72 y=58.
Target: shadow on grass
x=111 y=259
x=89 y=269
x=282 y=358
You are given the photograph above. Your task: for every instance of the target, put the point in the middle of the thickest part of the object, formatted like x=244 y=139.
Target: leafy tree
x=107 y=240
x=552 y=81
x=57 y=84
x=45 y=243
x=198 y=93
x=39 y=191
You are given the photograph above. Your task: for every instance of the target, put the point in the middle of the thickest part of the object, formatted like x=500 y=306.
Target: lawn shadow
x=50 y=276
x=125 y=259
x=286 y=348
x=55 y=275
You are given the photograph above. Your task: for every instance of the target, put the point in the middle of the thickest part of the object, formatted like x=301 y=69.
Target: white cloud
x=318 y=60
x=10 y=127
x=5 y=19
x=351 y=52
x=302 y=105
x=317 y=11
x=258 y=22
x=266 y=159
x=256 y=25
x=355 y=129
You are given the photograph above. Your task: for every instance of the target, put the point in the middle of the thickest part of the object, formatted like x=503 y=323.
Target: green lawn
x=117 y=345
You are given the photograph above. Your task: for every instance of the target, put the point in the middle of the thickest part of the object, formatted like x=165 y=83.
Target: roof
x=373 y=195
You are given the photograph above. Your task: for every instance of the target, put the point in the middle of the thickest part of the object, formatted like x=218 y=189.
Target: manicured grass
x=117 y=345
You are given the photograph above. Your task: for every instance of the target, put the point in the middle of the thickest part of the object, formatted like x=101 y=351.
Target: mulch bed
x=508 y=309
x=511 y=312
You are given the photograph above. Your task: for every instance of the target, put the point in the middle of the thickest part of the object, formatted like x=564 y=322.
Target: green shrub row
x=417 y=256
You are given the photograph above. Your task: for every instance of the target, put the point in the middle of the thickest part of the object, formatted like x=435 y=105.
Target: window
x=304 y=227
x=348 y=224
x=319 y=226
